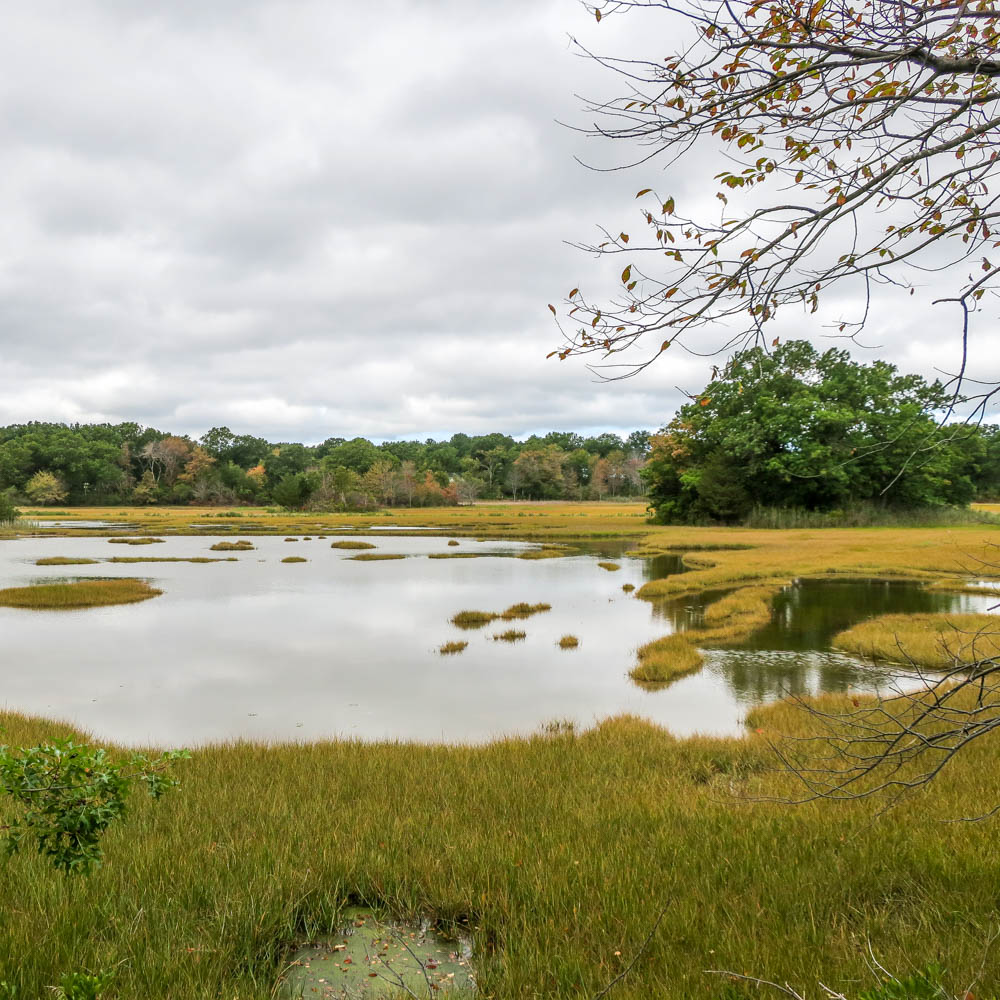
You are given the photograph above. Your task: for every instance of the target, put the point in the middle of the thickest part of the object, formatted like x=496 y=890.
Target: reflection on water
x=259 y=649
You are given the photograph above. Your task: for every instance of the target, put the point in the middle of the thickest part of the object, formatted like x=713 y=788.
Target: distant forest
x=84 y=464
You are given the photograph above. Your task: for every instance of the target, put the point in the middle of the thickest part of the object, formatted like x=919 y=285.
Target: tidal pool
x=335 y=647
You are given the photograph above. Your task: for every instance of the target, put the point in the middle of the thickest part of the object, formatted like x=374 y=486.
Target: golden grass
x=240 y=546
x=928 y=640
x=376 y=556
x=511 y=635
x=542 y=554
x=628 y=587
x=291 y=539
x=452 y=647
x=609 y=566
x=351 y=545
x=78 y=594
x=170 y=559
x=294 y=559
x=665 y=660
x=524 y=610
x=473 y=619
x=568 y=642
x=136 y=541
x=455 y=555
x=735 y=617
x=453 y=541
x=64 y=561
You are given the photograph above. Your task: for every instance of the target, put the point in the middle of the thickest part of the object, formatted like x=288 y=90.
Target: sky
x=304 y=219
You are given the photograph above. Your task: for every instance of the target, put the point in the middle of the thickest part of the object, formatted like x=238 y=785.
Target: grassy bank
x=559 y=852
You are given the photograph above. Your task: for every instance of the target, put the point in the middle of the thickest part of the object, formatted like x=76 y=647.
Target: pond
x=334 y=647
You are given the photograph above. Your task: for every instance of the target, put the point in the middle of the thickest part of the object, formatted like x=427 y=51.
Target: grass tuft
x=376 y=556
x=169 y=559
x=454 y=555
x=145 y=540
x=294 y=559
x=240 y=546
x=524 y=610
x=64 y=561
x=473 y=619
x=351 y=545
x=452 y=647
x=568 y=642
x=628 y=587
x=609 y=566
x=543 y=554
x=665 y=660
x=453 y=541
x=511 y=635
x=78 y=594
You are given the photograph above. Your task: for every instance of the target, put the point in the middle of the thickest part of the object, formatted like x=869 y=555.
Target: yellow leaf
x=643 y=191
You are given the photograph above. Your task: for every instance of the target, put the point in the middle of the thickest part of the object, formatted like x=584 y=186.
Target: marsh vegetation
x=77 y=594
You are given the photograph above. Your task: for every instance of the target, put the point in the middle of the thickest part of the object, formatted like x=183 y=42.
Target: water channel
x=333 y=647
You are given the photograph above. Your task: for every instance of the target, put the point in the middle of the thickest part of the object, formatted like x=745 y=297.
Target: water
x=333 y=647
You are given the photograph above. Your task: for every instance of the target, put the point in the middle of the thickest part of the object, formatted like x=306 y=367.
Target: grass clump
x=376 y=556
x=665 y=660
x=452 y=647
x=144 y=540
x=628 y=587
x=454 y=555
x=473 y=619
x=240 y=546
x=927 y=640
x=511 y=635
x=734 y=617
x=64 y=561
x=291 y=539
x=609 y=566
x=568 y=642
x=349 y=544
x=542 y=554
x=294 y=559
x=78 y=594
x=453 y=541
x=169 y=559
x=524 y=610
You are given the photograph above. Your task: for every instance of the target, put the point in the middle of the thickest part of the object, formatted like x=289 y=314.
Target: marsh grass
x=611 y=567
x=665 y=660
x=376 y=556
x=77 y=594
x=735 y=617
x=523 y=610
x=511 y=635
x=455 y=555
x=628 y=587
x=568 y=642
x=64 y=561
x=926 y=640
x=170 y=559
x=452 y=647
x=145 y=540
x=291 y=539
x=349 y=544
x=543 y=554
x=241 y=546
x=473 y=619
x=294 y=559
x=559 y=850
x=453 y=541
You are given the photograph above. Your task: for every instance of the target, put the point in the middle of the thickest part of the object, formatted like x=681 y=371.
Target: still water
x=333 y=647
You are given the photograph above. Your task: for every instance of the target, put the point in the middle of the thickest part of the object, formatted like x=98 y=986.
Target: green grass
x=452 y=647
x=136 y=541
x=79 y=594
x=511 y=635
x=568 y=642
x=609 y=566
x=524 y=610
x=351 y=545
x=376 y=556
x=241 y=546
x=64 y=561
x=294 y=559
x=559 y=850
x=666 y=660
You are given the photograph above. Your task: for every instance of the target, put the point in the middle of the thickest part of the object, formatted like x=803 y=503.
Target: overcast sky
x=305 y=219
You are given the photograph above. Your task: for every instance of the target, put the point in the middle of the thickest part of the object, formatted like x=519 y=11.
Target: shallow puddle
x=372 y=959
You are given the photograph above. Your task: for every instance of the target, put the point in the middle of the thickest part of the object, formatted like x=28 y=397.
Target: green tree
x=8 y=509
x=817 y=431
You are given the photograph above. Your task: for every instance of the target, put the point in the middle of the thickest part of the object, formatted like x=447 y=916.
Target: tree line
x=51 y=463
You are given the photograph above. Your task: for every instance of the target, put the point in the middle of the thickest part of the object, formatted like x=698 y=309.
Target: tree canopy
x=853 y=148
x=796 y=428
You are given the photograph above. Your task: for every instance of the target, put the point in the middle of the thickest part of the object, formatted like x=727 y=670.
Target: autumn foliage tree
x=854 y=149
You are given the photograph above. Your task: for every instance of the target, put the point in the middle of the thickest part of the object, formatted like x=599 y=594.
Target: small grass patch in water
x=351 y=545
x=511 y=635
x=452 y=647
x=454 y=555
x=736 y=616
x=294 y=559
x=524 y=610
x=376 y=556
x=64 y=561
x=453 y=541
x=144 y=540
x=240 y=546
x=543 y=554
x=628 y=587
x=170 y=559
x=78 y=594
x=291 y=539
x=611 y=567
x=473 y=619
x=568 y=642
x=665 y=660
